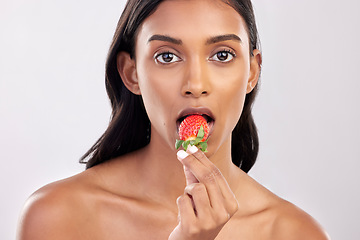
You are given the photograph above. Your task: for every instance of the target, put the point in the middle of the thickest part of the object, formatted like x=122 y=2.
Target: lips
x=203 y=111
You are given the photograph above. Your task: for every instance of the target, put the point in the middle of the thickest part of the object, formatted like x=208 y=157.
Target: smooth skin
x=189 y=55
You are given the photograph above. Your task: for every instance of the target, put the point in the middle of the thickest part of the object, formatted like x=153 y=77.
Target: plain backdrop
x=53 y=104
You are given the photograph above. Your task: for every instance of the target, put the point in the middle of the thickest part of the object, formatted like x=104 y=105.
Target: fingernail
x=181 y=154
x=192 y=149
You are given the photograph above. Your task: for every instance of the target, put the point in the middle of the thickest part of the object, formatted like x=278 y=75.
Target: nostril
x=190 y=93
x=195 y=93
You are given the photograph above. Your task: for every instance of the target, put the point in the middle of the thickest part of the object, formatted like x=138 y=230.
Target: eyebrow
x=211 y=40
x=222 y=38
x=165 y=38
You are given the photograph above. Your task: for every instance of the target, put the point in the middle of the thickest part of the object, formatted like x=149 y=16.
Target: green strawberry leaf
x=185 y=145
x=196 y=142
x=201 y=133
x=178 y=143
x=199 y=137
x=203 y=146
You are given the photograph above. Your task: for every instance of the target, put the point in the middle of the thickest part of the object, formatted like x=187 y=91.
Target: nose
x=196 y=79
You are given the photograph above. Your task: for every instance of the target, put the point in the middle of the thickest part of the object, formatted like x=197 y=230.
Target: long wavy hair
x=129 y=127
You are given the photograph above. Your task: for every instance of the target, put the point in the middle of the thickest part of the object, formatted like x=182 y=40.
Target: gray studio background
x=53 y=104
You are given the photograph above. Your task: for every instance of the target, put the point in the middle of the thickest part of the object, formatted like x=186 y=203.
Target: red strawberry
x=193 y=130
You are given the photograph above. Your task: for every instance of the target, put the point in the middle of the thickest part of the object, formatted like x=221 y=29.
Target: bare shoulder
x=292 y=223
x=277 y=218
x=89 y=205
x=53 y=211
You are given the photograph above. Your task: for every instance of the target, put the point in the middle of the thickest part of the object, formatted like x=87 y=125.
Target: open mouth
x=210 y=121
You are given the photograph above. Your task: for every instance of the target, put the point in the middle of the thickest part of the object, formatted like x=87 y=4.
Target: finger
x=190 y=178
x=215 y=171
x=203 y=211
x=203 y=175
x=230 y=199
x=185 y=208
x=200 y=199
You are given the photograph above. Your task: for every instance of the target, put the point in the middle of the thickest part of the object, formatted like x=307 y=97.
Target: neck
x=162 y=175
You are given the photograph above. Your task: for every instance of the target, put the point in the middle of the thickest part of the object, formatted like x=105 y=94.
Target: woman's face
x=193 y=57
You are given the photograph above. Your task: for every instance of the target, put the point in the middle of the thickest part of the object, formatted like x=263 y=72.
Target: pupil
x=222 y=56
x=167 y=57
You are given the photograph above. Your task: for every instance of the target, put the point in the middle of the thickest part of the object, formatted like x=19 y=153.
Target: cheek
x=233 y=104
x=158 y=93
x=156 y=85
x=232 y=93
x=231 y=111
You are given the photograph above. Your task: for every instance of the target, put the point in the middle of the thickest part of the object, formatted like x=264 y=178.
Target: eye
x=166 y=58
x=223 y=56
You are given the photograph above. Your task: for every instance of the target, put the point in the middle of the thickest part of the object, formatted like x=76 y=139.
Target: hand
x=207 y=203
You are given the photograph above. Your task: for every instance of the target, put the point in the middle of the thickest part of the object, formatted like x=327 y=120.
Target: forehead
x=190 y=19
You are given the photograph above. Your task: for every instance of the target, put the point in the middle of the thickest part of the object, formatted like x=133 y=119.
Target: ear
x=127 y=70
x=255 y=69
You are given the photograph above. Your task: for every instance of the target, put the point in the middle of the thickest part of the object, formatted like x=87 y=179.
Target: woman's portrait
x=180 y=120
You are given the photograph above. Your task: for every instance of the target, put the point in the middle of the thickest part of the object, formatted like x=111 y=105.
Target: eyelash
x=227 y=51
x=156 y=57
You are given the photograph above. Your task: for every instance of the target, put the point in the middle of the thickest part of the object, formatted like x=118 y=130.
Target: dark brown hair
x=129 y=127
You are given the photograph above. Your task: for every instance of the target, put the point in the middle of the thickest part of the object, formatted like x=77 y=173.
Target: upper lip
x=196 y=110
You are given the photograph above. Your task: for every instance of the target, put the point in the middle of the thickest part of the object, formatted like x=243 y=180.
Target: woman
x=168 y=60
